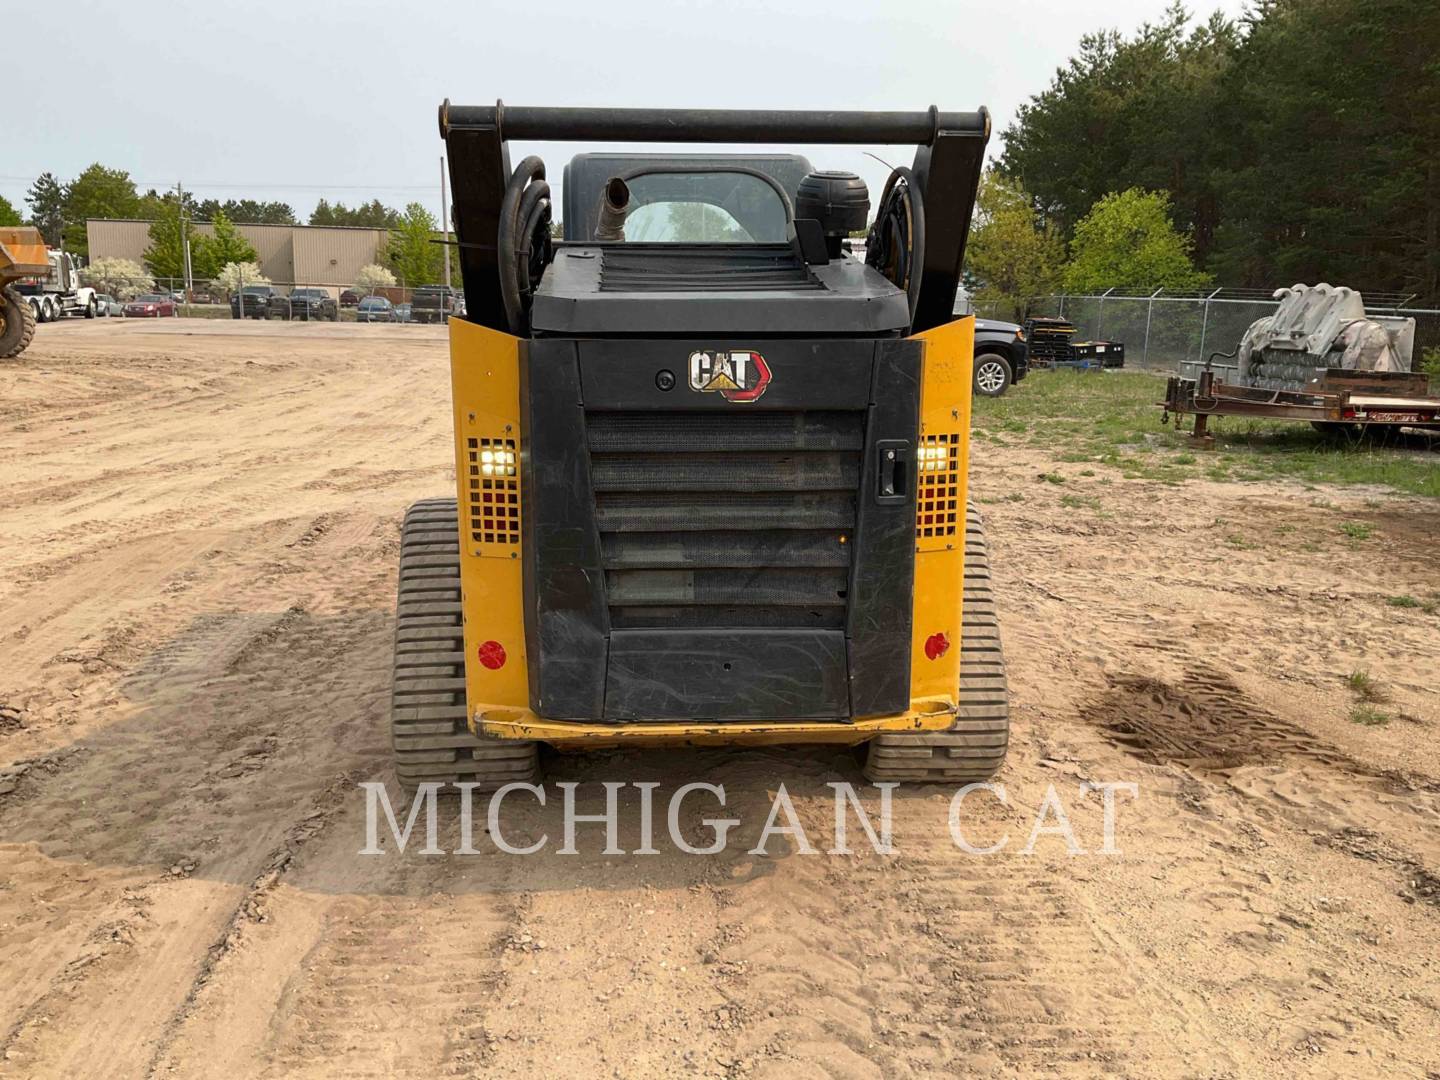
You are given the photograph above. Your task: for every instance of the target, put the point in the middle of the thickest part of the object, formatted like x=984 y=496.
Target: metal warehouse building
x=288 y=254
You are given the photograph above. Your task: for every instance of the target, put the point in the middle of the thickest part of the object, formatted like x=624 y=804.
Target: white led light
x=487 y=457
x=488 y=470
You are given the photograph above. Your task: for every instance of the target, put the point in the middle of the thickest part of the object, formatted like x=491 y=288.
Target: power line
x=160 y=184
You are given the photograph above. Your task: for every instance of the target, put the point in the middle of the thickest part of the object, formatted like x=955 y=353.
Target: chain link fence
x=1176 y=332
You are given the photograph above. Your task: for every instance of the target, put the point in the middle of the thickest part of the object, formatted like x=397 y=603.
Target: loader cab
x=709 y=243
x=686 y=197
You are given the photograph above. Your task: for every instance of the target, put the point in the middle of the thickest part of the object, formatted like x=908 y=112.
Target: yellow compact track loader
x=711 y=467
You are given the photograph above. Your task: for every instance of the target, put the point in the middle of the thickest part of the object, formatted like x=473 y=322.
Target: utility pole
x=445 y=227
x=184 y=241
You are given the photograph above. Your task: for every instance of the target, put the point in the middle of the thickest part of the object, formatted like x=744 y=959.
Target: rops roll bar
x=948 y=161
x=543 y=124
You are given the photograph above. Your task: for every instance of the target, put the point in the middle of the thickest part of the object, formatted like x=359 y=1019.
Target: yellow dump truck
x=22 y=255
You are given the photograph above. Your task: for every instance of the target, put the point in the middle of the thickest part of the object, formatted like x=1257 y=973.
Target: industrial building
x=288 y=254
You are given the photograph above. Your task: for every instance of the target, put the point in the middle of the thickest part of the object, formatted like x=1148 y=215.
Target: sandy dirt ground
x=198 y=537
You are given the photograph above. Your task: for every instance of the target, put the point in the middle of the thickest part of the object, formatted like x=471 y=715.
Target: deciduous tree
x=166 y=254
x=97 y=192
x=232 y=276
x=1012 y=256
x=372 y=277
x=227 y=246
x=1127 y=238
x=413 y=255
x=123 y=279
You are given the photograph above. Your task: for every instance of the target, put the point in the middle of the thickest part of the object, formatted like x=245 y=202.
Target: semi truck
x=58 y=292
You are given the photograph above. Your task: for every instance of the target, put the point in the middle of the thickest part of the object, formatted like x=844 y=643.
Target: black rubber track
x=974 y=747
x=427 y=720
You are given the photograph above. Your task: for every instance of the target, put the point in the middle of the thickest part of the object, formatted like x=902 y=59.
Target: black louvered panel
x=684 y=550
x=726 y=519
x=687 y=511
x=745 y=472
x=704 y=269
x=678 y=432
x=761 y=586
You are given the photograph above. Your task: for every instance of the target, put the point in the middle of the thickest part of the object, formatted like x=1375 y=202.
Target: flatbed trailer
x=1338 y=399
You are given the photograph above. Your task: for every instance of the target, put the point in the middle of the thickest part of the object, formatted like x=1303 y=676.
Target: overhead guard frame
x=949 y=158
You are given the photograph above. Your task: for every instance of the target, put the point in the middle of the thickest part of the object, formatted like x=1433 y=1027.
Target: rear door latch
x=892 y=471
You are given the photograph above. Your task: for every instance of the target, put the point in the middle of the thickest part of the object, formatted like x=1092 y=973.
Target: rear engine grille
x=726 y=519
x=704 y=269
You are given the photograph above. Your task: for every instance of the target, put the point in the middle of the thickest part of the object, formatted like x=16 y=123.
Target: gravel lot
x=199 y=530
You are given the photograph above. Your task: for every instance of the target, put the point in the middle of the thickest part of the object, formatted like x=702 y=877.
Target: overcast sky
x=295 y=101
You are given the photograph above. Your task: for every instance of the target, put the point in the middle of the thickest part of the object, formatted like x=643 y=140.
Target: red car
x=150 y=306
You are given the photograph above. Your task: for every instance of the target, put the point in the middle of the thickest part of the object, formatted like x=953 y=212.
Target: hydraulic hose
x=523 y=245
x=896 y=244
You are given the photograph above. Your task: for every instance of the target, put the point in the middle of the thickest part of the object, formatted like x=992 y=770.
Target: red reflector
x=492 y=655
x=936 y=646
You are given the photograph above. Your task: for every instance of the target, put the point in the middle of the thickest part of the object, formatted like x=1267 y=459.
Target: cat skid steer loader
x=711 y=468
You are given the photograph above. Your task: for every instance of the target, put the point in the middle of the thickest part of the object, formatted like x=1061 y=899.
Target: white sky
x=295 y=100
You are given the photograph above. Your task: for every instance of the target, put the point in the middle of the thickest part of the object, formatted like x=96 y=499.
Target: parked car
x=375 y=309
x=1001 y=356
x=305 y=303
x=349 y=298
x=256 y=300
x=435 y=303
x=404 y=313
x=150 y=306
x=106 y=305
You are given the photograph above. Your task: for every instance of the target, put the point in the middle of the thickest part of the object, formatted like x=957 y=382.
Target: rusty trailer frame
x=1337 y=396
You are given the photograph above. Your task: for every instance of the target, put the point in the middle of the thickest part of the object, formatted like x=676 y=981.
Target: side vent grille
x=493 y=496
x=938 y=513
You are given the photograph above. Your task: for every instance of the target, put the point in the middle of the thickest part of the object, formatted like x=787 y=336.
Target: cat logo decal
x=738 y=375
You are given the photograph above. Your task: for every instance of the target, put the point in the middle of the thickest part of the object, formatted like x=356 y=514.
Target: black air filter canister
x=840 y=201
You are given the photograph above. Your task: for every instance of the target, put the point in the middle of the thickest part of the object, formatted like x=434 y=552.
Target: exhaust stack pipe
x=614 y=206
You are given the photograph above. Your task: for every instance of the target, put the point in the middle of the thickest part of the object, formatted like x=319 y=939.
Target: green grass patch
x=1363 y=686
x=1113 y=420
x=1080 y=502
x=1405 y=600
x=1356 y=530
x=1369 y=716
